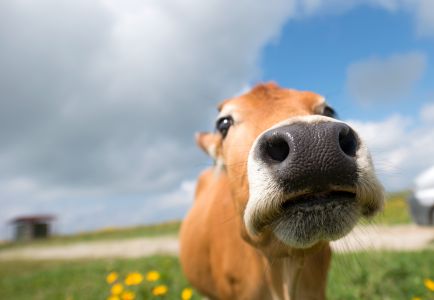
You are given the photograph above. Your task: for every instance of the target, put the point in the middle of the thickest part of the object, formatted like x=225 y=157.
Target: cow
x=288 y=178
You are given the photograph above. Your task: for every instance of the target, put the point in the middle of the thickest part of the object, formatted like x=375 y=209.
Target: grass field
x=381 y=275
x=55 y=280
x=375 y=275
x=167 y=228
x=356 y=276
x=395 y=210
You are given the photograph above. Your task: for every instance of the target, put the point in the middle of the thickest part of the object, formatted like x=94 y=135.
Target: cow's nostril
x=348 y=141
x=277 y=149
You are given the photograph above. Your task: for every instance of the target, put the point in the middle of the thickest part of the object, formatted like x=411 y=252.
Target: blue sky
x=315 y=53
x=100 y=99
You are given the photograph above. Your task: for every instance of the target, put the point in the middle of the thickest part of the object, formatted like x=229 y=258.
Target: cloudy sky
x=100 y=99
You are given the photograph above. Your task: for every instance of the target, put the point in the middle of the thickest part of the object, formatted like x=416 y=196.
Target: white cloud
x=424 y=15
x=381 y=80
x=422 y=11
x=102 y=98
x=112 y=96
x=401 y=148
x=427 y=113
x=394 y=126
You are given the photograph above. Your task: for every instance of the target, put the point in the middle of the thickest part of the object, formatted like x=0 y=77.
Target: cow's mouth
x=309 y=200
x=313 y=217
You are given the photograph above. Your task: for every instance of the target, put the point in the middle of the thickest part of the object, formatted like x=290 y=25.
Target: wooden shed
x=32 y=227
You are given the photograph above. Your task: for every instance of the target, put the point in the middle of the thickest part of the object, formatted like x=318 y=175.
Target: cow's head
x=297 y=174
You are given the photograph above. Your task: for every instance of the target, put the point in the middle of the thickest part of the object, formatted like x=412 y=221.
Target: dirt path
x=393 y=238
x=403 y=238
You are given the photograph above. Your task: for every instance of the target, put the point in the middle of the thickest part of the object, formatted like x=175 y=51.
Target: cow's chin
x=308 y=219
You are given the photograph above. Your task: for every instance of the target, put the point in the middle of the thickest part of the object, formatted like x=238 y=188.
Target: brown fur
x=217 y=255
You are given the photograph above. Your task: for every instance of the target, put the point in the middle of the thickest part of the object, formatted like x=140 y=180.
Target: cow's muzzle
x=310 y=157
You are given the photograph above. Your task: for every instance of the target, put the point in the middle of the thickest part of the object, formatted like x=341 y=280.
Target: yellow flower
x=111 y=277
x=128 y=296
x=113 y=298
x=186 y=294
x=152 y=276
x=416 y=298
x=117 y=289
x=134 y=278
x=429 y=284
x=159 y=290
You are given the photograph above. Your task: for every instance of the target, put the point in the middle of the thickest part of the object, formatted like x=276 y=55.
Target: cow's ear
x=210 y=143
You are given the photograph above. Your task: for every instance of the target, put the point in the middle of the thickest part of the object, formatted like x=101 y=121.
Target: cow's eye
x=329 y=112
x=223 y=124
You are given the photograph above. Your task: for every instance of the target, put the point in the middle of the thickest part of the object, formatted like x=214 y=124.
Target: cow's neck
x=281 y=272
x=302 y=276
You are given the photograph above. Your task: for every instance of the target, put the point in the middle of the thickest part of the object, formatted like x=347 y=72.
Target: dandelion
x=128 y=296
x=152 y=276
x=134 y=279
x=111 y=277
x=113 y=298
x=117 y=289
x=186 y=294
x=160 y=290
x=416 y=298
x=429 y=284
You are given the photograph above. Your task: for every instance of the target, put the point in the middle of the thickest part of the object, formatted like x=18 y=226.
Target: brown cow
x=288 y=179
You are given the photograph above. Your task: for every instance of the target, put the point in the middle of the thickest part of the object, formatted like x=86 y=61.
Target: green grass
x=381 y=275
x=370 y=275
x=167 y=228
x=395 y=211
x=84 y=279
